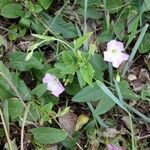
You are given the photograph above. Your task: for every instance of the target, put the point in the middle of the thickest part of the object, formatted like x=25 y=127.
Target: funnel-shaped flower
x=53 y=84
x=114 y=53
x=113 y=147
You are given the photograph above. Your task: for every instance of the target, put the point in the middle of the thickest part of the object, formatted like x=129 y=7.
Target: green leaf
x=45 y=3
x=114 y=5
x=105 y=36
x=3 y=3
x=146 y=91
x=46 y=135
x=4 y=70
x=21 y=87
x=118 y=28
x=80 y=41
x=6 y=113
x=25 y=22
x=60 y=26
x=16 y=108
x=12 y=10
x=98 y=65
x=93 y=13
x=90 y=93
x=4 y=94
x=47 y=108
x=66 y=69
x=104 y=106
x=133 y=22
x=145 y=6
x=73 y=88
x=39 y=90
x=111 y=95
x=126 y=92
x=91 y=3
x=37 y=26
x=3 y=42
x=17 y=61
x=145 y=44
x=67 y=57
x=87 y=73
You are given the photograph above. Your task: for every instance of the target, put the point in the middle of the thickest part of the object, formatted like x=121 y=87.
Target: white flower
x=53 y=84
x=114 y=53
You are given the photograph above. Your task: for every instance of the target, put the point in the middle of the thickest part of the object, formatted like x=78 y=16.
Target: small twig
x=143 y=137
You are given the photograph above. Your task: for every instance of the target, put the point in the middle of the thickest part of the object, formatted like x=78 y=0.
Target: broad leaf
x=80 y=41
x=21 y=87
x=60 y=26
x=87 y=73
x=114 y=5
x=18 y=62
x=145 y=44
x=4 y=94
x=46 y=135
x=45 y=3
x=118 y=28
x=16 y=108
x=105 y=36
x=4 y=2
x=4 y=72
x=93 y=13
x=98 y=65
x=12 y=10
x=145 y=6
x=39 y=90
x=126 y=92
x=104 y=106
x=90 y=93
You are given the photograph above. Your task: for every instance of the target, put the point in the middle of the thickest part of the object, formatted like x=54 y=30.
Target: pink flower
x=113 y=147
x=53 y=84
x=114 y=53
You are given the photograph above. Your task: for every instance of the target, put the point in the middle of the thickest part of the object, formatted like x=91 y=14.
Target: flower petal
x=113 y=147
x=117 y=61
x=124 y=56
x=119 y=46
x=53 y=84
x=113 y=44
x=108 y=56
x=48 y=77
x=59 y=90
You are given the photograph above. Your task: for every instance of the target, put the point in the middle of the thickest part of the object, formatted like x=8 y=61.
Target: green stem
x=99 y=120
x=5 y=129
x=132 y=132
x=85 y=46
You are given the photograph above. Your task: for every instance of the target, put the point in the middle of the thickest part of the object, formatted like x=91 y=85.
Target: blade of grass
x=130 y=116
x=147 y=119
x=135 y=48
x=23 y=124
x=132 y=133
x=99 y=120
x=85 y=46
x=111 y=95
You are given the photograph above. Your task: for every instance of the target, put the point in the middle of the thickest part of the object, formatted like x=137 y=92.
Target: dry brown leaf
x=68 y=122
